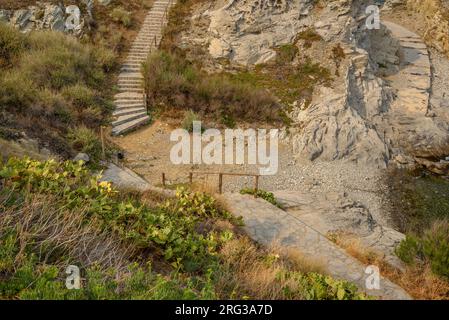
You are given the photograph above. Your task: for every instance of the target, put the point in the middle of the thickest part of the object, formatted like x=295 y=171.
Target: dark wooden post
x=163 y=179
x=256 y=185
x=103 y=149
x=191 y=178
x=220 y=183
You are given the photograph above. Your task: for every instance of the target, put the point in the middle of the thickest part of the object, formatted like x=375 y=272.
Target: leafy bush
x=11 y=45
x=286 y=53
x=17 y=92
x=56 y=83
x=56 y=214
x=85 y=140
x=435 y=244
x=173 y=81
x=409 y=249
x=189 y=118
x=122 y=16
x=431 y=247
x=267 y=196
x=309 y=36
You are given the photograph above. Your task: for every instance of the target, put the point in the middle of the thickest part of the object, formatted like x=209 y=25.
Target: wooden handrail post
x=220 y=183
x=103 y=149
x=163 y=180
x=256 y=185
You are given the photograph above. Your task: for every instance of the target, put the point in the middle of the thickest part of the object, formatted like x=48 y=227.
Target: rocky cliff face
x=376 y=111
x=49 y=16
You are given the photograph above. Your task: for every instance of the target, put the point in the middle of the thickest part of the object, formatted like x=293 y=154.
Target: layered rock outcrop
x=50 y=16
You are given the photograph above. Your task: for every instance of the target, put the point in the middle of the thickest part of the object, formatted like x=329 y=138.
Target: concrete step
x=139 y=52
x=124 y=119
x=132 y=65
x=130 y=85
x=130 y=99
x=128 y=111
x=138 y=90
x=131 y=125
x=130 y=82
x=130 y=106
x=130 y=96
x=131 y=69
x=130 y=76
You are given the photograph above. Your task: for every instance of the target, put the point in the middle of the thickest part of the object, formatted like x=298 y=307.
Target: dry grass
x=55 y=230
x=417 y=280
x=256 y=273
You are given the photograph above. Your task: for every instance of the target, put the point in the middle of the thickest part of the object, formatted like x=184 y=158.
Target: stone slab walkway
x=409 y=120
x=268 y=225
x=125 y=178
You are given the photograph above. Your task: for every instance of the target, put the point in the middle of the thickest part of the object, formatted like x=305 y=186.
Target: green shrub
x=173 y=81
x=57 y=80
x=409 y=249
x=309 y=36
x=267 y=196
x=431 y=247
x=85 y=140
x=12 y=44
x=286 y=53
x=122 y=16
x=435 y=244
x=189 y=118
x=17 y=92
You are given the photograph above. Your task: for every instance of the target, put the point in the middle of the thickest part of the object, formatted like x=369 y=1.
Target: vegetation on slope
x=57 y=89
x=134 y=246
x=419 y=206
x=268 y=89
x=174 y=82
x=51 y=85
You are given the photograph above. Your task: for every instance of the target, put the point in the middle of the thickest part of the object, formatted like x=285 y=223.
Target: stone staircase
x=131 y=110
x=410 y=125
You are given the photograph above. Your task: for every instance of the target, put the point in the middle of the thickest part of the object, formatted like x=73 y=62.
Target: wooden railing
x=221 y=175
x=107 y=143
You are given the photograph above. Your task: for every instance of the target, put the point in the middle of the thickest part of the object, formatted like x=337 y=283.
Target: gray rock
x=54 y=18
x=5 y=15
x=104 y=2
x=82 y=157
x=21 y=18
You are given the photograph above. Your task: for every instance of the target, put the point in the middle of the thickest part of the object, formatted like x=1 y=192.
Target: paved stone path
x=331 y=212
x=124 y=178
x=412 y=85
x=130 y=103
x=268 y=224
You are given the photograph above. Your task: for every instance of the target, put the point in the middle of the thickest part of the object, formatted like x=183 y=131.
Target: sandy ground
x=148 y=153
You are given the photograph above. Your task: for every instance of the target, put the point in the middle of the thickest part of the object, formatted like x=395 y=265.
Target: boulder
x=54 y=18
x=21 y=19
x=5 y=15
x=82 y=157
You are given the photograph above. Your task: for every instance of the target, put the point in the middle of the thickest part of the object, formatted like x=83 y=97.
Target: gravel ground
x=148 y=153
